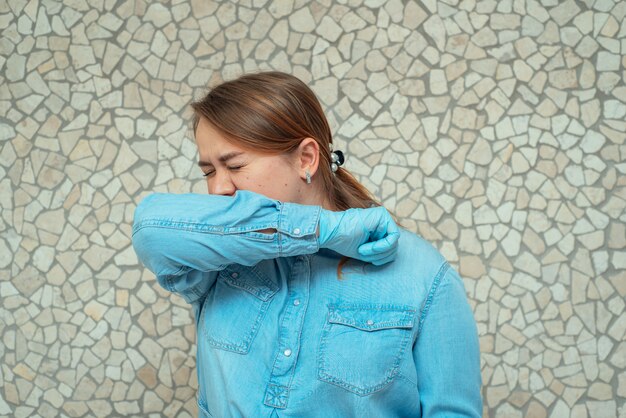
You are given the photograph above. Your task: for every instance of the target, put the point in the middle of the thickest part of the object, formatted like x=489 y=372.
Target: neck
x=319 y=198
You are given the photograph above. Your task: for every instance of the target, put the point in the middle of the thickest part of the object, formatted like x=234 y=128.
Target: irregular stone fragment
x=564 y=12
x=302 y=20
x=480 y=153
x=435 y=29
x=329 y=29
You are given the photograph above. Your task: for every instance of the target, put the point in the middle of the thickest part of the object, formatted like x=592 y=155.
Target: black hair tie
x=337 y=159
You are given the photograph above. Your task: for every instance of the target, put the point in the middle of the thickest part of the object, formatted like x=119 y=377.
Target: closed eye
x=210 y=173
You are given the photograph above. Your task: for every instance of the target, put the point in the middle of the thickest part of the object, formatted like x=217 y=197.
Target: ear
x=308 y=156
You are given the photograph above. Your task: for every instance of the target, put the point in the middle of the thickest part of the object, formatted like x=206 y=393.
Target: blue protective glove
x=368 y=235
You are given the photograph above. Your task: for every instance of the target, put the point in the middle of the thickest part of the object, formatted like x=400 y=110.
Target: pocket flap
x=372 y=318
x=249 y=279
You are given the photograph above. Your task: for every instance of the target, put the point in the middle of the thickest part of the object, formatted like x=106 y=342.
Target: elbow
x=150 y=252
x=145 y=248
x=142 y=211
x=141 y=238
x=153 y=243
x=153 y=246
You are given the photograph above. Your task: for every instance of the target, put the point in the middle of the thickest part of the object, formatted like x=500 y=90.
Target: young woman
x=309 y=300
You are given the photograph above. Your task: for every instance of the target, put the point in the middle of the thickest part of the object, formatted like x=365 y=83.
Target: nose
x=221 y=184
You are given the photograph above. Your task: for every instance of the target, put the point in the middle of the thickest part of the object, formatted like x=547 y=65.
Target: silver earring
x=308 y=177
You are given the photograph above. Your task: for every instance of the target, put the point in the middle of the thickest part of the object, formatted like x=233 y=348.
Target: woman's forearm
x=173 y=233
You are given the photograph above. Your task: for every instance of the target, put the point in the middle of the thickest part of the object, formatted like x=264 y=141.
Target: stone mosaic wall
x=495 y=129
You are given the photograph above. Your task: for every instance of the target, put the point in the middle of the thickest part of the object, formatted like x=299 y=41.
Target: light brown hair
x=273 y=112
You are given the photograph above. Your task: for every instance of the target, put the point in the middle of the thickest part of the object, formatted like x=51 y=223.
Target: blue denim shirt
x=281 y=335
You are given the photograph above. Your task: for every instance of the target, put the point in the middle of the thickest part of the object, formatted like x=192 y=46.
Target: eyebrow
x=223 y=158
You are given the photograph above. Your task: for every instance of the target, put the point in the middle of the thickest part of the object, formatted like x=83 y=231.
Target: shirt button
x=287 y=352
x=234 y=275
x=370 y=322
x=296 y=231
x=296 y=302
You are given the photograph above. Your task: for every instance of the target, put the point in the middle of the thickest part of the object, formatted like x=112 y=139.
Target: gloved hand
x=368 y=235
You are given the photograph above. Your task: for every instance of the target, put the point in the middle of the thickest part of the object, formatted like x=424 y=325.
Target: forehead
x=208 y=138
x=213 y=146
x=207 y=135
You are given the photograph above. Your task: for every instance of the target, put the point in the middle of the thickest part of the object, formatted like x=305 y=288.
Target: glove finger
x=378 y=258
x=372 y=220
x=389 y=232
x=390 y=252
x=381 y=246
x=384 y=260
x=393 y=237
x=369 y=256
x=380 y=223
x=372 y=249
x=385 y=245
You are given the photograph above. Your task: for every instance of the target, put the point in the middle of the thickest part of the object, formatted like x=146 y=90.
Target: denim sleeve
x=185 y=238
x=446 y=352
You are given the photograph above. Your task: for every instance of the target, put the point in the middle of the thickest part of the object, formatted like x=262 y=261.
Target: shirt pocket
x=361 y=345
x=234 y=310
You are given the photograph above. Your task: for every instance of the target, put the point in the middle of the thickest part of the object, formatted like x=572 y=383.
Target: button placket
x=289 y=334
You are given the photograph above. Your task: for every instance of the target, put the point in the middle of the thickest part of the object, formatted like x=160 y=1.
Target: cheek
x=276 y=176
x=272 y=171
x=254 y=179
x=271 y=177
